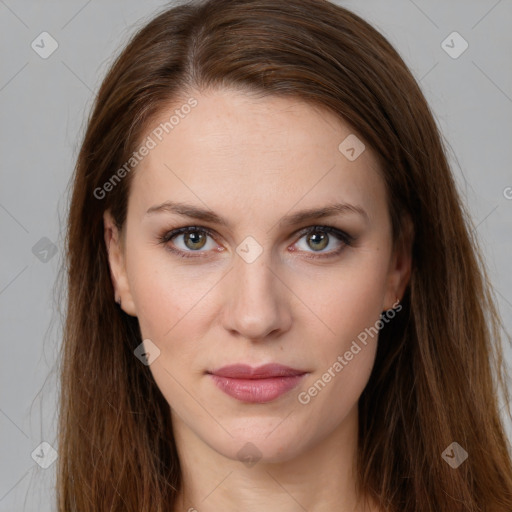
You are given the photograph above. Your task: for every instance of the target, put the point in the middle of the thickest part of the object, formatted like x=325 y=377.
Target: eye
x=193 y=239
x=319 y=238
x=189 y=239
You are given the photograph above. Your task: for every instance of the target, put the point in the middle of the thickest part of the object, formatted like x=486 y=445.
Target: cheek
x=344 y=354
x=349 y=299
x=166 y=295
x=175 y=306
x=333 y=394
x=156 y=300
x=167 y=305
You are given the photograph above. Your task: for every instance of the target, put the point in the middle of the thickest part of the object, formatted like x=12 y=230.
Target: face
x=250 y=281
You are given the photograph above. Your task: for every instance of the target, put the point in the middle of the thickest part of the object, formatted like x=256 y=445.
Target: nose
x=256 y=304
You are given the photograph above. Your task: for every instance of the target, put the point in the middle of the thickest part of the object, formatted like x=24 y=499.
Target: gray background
x=45 y=103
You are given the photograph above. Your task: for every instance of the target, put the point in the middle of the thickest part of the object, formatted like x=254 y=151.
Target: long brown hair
x=439 y=366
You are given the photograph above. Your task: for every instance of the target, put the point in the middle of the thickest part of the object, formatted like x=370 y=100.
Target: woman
x=303 y=321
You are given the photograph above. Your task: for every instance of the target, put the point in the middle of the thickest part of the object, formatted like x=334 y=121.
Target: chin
x=262 y=440
x=250 y=450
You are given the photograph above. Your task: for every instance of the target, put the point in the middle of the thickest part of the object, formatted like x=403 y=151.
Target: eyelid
x=170 y=234
x=341 y=235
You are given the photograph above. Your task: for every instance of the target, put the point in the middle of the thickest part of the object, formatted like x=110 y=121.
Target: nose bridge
x=256 y=305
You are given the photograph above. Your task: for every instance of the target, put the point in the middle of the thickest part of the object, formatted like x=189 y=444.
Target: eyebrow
x=194 y=212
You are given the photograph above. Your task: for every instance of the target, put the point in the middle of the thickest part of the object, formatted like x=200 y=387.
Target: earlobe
x=114 y=247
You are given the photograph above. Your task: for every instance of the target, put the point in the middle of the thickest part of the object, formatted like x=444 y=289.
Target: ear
x=116 y=258
x=400 y=266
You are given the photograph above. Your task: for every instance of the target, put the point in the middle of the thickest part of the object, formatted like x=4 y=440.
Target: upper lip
x=244 y=371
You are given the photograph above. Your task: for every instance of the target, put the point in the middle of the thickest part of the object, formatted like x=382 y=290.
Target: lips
x=256 y=385
x=243 y=371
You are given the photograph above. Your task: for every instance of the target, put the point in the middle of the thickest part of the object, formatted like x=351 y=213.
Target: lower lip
x=256 y=390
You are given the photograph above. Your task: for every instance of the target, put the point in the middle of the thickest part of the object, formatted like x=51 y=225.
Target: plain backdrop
x=45 y=103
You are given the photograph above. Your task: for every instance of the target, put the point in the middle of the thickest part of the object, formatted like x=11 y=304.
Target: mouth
x=256 y=385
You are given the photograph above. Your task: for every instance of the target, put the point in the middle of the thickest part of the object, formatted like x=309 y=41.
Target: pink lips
x=256 y=385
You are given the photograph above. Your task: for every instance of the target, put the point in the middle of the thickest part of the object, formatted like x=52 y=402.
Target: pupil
x=194 y=238
x=323 y=240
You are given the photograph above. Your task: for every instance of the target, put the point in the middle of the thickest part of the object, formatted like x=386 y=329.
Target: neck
x=321 y=478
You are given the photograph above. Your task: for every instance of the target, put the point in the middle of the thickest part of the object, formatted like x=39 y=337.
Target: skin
x=253 y=161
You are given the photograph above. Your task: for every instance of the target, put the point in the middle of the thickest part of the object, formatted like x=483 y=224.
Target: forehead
x=236 y=150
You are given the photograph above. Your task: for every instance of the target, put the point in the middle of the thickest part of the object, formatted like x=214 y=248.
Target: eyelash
x=343 y=237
